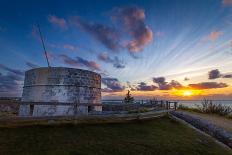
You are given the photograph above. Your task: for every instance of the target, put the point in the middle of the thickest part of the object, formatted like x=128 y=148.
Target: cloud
x=79 y=62
x=9 y=82
x=214 y=74
x=227 y=2
x=15 y=71
x=31 y=65
x=133 y=18
x=227 y=76
x=60 y=22
x=130 y=86
x=163 y=85
x=130 y=25
x=159 y=80
x=106 y=35
x=69 y=47
x=113 y=85
x=144 y=87
x=214 y=35
x=208 y=85
x=115 y=61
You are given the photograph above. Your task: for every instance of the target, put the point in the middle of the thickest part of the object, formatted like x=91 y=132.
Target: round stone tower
x=60 y=91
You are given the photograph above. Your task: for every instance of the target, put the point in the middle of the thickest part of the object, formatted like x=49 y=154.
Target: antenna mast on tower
x=45 y=52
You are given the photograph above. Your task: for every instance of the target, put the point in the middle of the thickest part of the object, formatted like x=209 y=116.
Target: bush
x=128 y=98
x=182 y=107
x=207 y=106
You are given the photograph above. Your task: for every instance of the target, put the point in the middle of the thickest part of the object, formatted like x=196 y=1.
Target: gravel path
x=202 y=123
x=219 y=121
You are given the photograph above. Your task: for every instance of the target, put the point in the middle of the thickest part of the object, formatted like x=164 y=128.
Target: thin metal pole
x=45 y=52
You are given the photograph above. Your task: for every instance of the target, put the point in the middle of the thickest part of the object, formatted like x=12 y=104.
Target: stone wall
x=59 y=84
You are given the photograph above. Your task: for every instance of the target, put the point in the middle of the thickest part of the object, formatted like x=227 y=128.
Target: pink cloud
x=133 y=19
x=214 y=35
x=60 y=22
x=138 y=44
x=227 y=2
x=69 y=47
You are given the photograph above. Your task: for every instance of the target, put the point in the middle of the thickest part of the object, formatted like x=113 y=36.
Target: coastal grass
x=209 y=107
x=162 y=136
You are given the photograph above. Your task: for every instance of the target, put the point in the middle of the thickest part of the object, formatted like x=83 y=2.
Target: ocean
x=188 y=103
x=195 y=103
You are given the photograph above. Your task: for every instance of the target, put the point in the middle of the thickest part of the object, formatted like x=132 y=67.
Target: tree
x=128 y=98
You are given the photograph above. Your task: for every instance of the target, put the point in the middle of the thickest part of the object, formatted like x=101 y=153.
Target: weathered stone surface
x=59 y=84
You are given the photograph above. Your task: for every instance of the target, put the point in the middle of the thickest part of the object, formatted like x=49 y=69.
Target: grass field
x=159 y=136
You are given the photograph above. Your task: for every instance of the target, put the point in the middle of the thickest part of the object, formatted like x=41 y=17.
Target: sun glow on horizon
x=187 y=92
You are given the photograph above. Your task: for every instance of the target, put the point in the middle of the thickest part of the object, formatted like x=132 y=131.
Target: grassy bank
x=159 y=136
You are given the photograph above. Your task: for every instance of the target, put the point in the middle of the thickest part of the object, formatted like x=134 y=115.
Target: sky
x=165 y=49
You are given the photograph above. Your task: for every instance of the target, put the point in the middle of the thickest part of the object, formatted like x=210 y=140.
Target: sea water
x=196 y=103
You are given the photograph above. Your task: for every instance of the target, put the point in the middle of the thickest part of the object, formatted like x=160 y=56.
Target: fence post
x=175 y=105
x=167 y=105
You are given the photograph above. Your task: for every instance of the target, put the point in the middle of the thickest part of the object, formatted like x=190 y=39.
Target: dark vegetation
x=8 y=107
x=207 y=106
x=159 y=136
x=128 y=98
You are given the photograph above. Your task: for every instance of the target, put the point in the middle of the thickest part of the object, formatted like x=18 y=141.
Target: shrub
x=207 y=106
x=182 y=107
x=128 y=98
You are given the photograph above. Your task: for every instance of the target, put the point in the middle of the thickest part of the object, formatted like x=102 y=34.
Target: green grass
x=159 y=136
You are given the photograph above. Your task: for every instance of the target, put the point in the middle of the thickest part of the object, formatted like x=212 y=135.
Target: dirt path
x=222 y=122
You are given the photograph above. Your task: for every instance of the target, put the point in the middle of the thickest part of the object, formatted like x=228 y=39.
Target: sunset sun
x=187 y=93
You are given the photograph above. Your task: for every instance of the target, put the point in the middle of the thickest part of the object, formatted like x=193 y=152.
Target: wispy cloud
x=106 y=35
x=59 y=22
x=31 y=65
x=214 y=35
x=115 y=61
x=227 y=2
x=69 y=47
x=10 y=82
x=15 y=71
x=79 y=62
x=208 y=85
